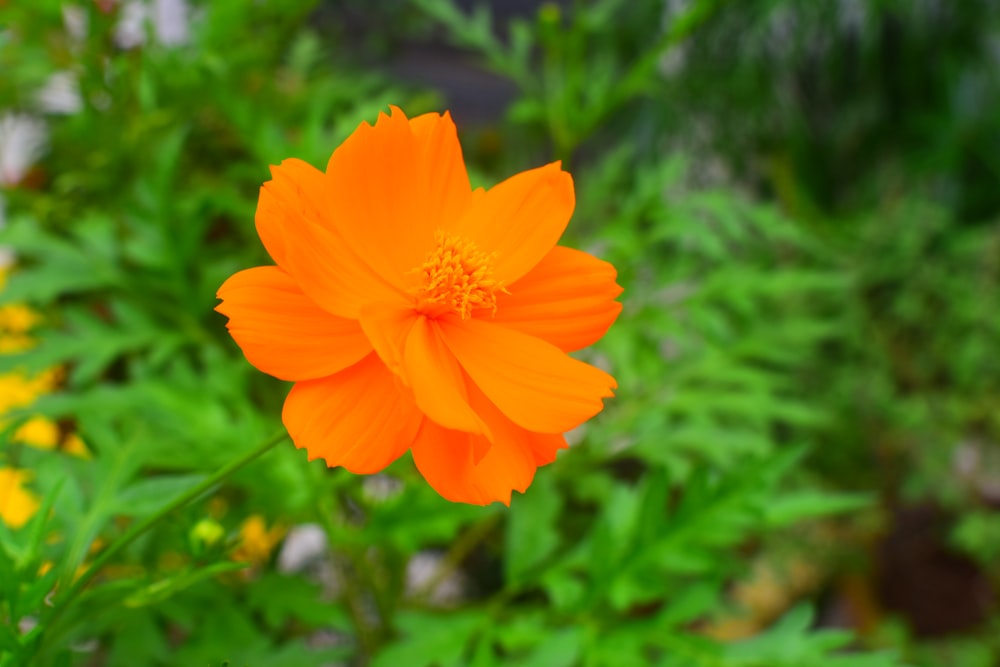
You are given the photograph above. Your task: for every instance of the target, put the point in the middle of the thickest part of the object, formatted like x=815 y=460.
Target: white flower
x=171 y=22
x=304 y=545
x=60 y=94
x=75 y=21
x=169 y=18
x=22 y=141
x=424 y=570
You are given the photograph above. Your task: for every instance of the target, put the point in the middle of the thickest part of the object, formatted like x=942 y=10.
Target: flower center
x=456 y=277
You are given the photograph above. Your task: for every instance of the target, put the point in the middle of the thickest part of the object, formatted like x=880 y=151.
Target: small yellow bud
x=207 y=533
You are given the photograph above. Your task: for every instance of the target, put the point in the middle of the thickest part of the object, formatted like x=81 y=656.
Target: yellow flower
x=73 y=445
x=38 y=432
x=43 y=433
x=18 y=390
x=17 y=318
x=17 y=504
x=256 y=540
x=13 y=343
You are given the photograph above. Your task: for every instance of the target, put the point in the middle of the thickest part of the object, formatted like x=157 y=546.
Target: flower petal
x=567 y=300
x=445 y=457
x=331 y=275
x=410 y=345
x=282 y=332
x=441 y=165
x=520 y=219
x=295 y=190
x=294 y=222
x=535 y=384
x=387 y=326
x=438 y=383
x=392 y=185
x=361 y=418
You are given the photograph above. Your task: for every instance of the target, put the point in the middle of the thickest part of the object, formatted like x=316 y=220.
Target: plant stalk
x=64 y=601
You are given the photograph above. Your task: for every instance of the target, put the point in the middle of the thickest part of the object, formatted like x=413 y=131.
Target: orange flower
x=414 y=312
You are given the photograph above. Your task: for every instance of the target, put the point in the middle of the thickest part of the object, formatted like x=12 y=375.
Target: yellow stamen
x=456 y=277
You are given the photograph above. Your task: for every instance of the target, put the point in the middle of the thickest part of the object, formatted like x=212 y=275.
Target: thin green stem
x=460 y=550
x=63 y=602
x=354 y=594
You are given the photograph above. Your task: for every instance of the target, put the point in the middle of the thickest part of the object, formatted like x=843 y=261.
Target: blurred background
x=802 y=464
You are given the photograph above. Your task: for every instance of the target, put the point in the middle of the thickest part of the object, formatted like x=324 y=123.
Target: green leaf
x=9 y=640
x=66 y=266
x=148 y=495
x=561 y=648
x=165 y=588
x=281 y=598
x=792 y=642
x=431 y=639
x=689 y=604
x=565 y=589
x=532 y=530
x=788 y=508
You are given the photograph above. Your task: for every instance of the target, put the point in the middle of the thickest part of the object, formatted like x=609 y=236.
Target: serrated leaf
x=431 y=639
x=788 y=508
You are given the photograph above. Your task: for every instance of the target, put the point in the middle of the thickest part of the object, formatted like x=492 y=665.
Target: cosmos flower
x=415 y=313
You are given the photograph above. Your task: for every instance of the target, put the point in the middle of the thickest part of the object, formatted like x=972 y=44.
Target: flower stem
x=459 y=551
x=63 y=602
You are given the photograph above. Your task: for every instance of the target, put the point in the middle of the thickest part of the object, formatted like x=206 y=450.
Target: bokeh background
x=801 y=467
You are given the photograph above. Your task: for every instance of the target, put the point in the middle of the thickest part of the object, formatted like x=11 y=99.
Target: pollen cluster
x=456 y=277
